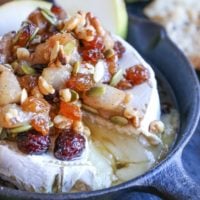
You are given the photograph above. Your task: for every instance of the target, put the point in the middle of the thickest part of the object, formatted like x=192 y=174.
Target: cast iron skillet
x=168 y=178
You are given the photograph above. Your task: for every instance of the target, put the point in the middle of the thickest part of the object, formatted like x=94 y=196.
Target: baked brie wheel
x=79 y=107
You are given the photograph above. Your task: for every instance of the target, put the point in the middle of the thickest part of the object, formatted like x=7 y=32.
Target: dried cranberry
x=137 y=74
x=69 y=146
x=97 y=43
x=119 y=49
x=92 y=55
x=52 y=98
x=80 y=82
x=58 y=12
x=31 y=142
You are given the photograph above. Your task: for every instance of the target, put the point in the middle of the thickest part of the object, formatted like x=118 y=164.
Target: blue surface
x=191 y=154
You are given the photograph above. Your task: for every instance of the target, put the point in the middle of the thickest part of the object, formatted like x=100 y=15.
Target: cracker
x=181 y=18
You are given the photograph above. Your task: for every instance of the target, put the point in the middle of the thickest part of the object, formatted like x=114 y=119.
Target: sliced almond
x=99 y=71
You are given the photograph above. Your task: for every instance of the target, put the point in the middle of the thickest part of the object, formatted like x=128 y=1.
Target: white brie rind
x=45 y=173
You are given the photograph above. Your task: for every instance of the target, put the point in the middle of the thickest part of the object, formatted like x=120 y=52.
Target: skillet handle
x=173 y=182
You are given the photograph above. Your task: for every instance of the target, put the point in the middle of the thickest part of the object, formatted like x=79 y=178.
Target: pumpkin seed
x=116 y=78
x=27 y=69
x=48 y=15
x=109 y=53
x=119 y=120
x=96 y=91
x=75 y=95
x=99 y=71
x=34 y=34
x=20 y=129
x=89 y=109
x=76 y=67
x=51 y=124
x=69 y=47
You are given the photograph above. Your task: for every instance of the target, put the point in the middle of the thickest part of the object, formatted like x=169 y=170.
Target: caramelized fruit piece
x=97 y=43
x=41 y=124
x=80 y=82
x=92 y=55
x=35 y=105
x=93 y=51
x=70 y=110
x=137 y=74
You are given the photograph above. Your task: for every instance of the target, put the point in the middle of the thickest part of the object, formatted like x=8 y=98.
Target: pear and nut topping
x=62 y=65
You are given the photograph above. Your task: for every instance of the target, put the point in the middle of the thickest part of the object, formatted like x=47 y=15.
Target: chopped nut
x=55 y=51
x=96 y=24
x=44 y=87
x=87 y=131
x=61 y=56
x=62 y=122
x=78 y=127
x=85 y=33
x=136 y=121
x=23 y=53
x=128 y=98
x=130 y=112
x=11 y=115
x=156 y=127
x=73 y=22
x=24 y=96
x=153 y=140
x=65 y=95
x=36 y=92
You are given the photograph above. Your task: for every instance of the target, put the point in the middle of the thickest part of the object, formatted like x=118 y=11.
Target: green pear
x=13 y=13
x=112 y=13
